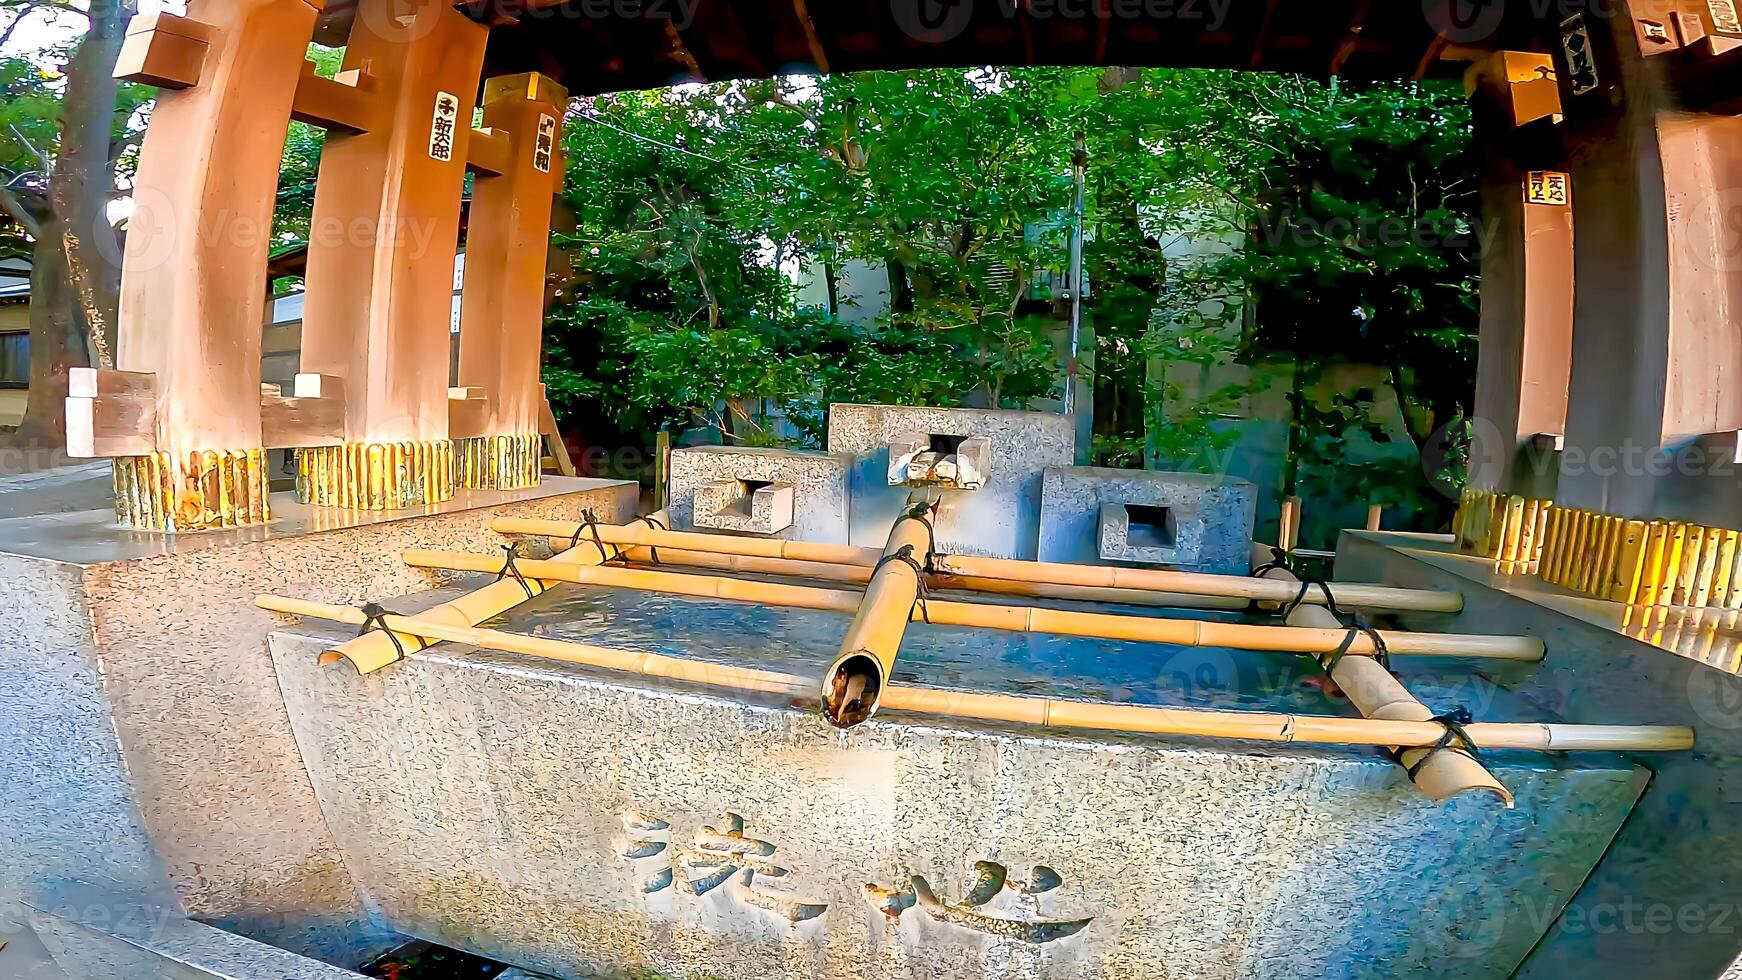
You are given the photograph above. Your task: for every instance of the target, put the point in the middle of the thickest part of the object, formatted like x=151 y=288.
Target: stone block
x=1001 y=519
x=747 y=506
x=918 y=459
x=551 y=816
x=151 y=755
x=725 y=488
x=1185 y=521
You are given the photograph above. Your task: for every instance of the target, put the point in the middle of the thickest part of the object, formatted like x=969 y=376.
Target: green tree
x=66 y=133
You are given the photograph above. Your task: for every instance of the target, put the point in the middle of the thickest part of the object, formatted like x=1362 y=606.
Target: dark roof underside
x=595 y=46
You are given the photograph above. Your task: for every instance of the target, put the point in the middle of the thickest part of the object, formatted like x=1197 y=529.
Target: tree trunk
x=76 y=265
x=57 y=343
x=84 y=174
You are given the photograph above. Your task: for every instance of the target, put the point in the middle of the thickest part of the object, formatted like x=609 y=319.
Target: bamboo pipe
x=853 y=685
x=647 y=664
x=1290 y=528
x=375 y=650
x=1354 y=596
x=1015 y=619
x=861 y=574
x=1249 y=726
x=1377 y=694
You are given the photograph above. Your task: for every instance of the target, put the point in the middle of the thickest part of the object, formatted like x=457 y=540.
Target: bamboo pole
x=375 y=650
x=853 y=684
x=1378 y=695
x=1015 y=619
x=1247 y=726
x=861 y=574
x=1350 y=595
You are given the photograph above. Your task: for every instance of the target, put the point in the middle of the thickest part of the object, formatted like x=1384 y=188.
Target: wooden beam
x=386 y=224
x=164 y=50
x=1265 y=24
x=1430 y=57
x=346 y=102
x=468 y=417
x=313 y=416
x=490 y=153
x=111 y=413
x=507 y=251
x=1351 y=38
x=559 y=450
x=801 y=11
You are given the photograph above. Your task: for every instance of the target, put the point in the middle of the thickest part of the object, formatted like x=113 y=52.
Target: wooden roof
x=595 y=46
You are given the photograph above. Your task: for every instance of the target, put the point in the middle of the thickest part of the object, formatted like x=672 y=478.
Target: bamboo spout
x=853 y=685
x=1040 y=712
x=1016 y=619
x=1348 y=595
x=1379 y=695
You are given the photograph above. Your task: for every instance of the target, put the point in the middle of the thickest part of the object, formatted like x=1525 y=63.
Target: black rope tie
x=921 y=514
x=657 y=525
x=1278 y=559
x=590 y=522
x=922 y=593
x=1306 y=588
x=1453 y=721
x=376 y=619
x=510 y=568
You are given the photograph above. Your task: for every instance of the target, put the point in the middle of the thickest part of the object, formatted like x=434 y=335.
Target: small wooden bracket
x=313 y=416
x=1548 y=442
x=490 y=152
x=345 y=102
x=468 y=413
x=111 y=414
x=164 y=50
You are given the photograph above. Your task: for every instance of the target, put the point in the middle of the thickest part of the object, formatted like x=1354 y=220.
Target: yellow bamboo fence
x=1045 y=712
x=1656 y=564
x=1440 y=774
x=1504 y=528
x=1017 y=619
x=1348 y=595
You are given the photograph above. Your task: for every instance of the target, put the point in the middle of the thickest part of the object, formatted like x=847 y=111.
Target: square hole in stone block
x=1151 y=527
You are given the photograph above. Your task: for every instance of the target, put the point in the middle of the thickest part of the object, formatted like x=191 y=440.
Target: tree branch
x=14 y=207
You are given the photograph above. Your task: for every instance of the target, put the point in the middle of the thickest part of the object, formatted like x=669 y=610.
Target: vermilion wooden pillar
x=1525 y=356
x=497 y=442
x=1659 y=281
x=194 y=277
x=382 y=245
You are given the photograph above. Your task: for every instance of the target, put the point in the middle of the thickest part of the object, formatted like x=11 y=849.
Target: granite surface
x=1000 y=520
x=551 y=815
x=819 y=483
x=1667 y=899
x=1084 y=519
x=151 y=752
x=96 y=939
